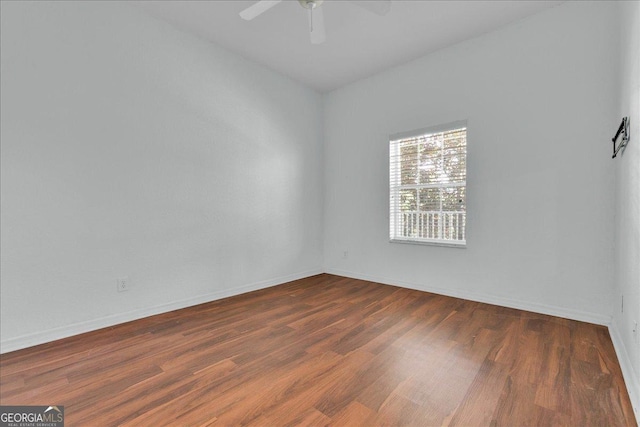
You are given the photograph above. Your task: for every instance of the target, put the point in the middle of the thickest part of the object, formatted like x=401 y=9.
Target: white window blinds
x=428 y=177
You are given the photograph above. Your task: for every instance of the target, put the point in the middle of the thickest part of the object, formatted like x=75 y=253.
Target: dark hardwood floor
x=329 y=351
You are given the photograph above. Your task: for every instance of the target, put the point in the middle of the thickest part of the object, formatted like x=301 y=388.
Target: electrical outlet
x=123 y=284
x=345 y=254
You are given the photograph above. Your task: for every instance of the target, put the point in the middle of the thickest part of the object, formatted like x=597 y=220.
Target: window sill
x=445 y=243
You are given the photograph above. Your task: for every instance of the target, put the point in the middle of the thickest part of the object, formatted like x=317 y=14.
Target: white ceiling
x=359 y=43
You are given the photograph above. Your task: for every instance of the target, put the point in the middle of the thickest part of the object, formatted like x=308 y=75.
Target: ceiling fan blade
x=379 y=7
x=317 y=25
x=258 y=9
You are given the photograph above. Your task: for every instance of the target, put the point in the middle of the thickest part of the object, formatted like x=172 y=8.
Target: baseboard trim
x=631 y=378
x=582 y=316
x=54 y=334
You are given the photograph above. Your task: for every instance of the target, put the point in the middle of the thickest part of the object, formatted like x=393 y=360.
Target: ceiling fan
x=316 y=17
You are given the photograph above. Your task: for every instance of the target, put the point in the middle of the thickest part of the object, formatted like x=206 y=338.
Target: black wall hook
x=624 y=130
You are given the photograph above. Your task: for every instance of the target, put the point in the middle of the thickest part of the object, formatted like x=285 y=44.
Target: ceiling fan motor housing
x=310 y=4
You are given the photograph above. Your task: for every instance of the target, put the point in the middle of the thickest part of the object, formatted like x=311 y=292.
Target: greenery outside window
x=428 y=185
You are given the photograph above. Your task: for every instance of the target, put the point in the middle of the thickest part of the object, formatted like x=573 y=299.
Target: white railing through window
x=432 y=225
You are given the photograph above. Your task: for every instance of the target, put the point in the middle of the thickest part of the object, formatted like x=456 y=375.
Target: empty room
x=338 y=212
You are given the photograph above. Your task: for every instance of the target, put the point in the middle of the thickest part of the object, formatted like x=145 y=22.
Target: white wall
x=627 y=206
x=539 y=97
x=132 y=149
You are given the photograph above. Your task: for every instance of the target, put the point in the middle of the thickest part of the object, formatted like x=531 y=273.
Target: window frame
x=394 y=191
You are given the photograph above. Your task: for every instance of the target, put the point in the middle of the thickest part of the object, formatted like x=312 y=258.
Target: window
x=427 y=181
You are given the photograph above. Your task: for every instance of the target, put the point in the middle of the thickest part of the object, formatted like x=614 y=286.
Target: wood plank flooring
x=328 y=350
